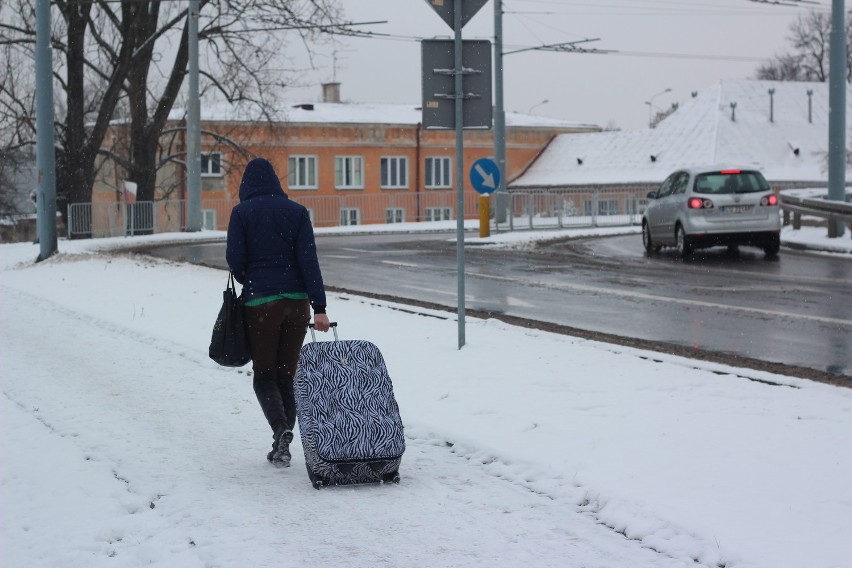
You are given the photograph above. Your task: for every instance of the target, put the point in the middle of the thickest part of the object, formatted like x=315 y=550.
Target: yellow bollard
x=484 y=216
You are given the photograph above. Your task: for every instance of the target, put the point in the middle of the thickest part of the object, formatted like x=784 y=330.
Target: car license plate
x=738 y=209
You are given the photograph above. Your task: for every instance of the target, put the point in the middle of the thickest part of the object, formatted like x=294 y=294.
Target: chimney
x=331 y=92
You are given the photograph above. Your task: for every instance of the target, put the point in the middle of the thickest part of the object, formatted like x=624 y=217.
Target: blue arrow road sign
x=485 y=175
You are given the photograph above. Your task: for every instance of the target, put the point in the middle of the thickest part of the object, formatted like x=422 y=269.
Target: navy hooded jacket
x=271 y=248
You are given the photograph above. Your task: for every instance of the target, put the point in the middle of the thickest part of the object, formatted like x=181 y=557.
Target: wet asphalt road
x=795 y=310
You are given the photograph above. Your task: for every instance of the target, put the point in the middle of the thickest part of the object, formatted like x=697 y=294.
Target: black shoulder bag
x=229 y=344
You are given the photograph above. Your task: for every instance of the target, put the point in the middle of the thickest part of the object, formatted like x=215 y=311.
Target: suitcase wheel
x=316 y=481
x=391 y=477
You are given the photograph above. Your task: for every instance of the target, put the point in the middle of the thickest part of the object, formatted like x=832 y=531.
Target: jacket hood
x=259 y=179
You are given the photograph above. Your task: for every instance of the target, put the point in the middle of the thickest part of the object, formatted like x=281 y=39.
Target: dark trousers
x=276 y=332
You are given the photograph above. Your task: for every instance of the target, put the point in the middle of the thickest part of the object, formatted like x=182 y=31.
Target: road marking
x=397 y=263
x=682 y=301
x=360 y=251
x=517 y=303
x=432 y=290
x=400 y=252
x=467 y=297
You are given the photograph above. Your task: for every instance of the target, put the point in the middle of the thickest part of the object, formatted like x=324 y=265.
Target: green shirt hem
x=266 y=299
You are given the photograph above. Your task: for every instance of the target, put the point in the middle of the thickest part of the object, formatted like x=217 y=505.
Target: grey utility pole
x=45 y=153
x=837 y=112
x=459 y=100
x=193 y=128
x=501 y=197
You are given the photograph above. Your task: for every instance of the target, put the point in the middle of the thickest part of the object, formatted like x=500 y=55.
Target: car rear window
x=730 y=181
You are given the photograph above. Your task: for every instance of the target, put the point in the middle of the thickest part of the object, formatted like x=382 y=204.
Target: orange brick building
x=351 y=163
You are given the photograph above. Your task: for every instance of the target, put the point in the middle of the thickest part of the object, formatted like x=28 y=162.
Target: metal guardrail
x=833 y=211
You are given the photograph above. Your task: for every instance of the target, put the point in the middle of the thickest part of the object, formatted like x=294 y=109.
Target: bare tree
x=786 y=67
x=133 y=57
x=809 y=60
x=16 y=147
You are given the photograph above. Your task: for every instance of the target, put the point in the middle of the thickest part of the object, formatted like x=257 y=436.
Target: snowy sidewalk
x=123 y=445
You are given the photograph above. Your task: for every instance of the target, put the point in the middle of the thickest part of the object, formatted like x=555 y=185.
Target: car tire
x=772 y=247
x=684 y=245
x=647 y=241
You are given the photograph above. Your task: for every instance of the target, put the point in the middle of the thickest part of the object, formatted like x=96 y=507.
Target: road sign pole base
x=484 y=216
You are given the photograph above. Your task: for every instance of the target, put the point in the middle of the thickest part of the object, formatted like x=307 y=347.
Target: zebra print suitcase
x=348 y=417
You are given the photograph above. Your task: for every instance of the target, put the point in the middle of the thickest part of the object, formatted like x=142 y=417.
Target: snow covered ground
x=124 y=445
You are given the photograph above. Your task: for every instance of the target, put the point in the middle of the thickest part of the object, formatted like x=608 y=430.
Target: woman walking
x=271 y=251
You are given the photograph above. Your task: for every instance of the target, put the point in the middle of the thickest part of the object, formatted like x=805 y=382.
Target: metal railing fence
x=548 y=209
x=97 y=220
x=557 y=209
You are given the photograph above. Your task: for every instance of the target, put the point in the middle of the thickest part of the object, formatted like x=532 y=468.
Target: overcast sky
x=682 y=45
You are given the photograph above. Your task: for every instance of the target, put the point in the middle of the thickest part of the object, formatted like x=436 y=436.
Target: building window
x=394 y=172
x=208 y=219
x=350 y=216
x=394 y=215
x=605 y=207
x=302 y=172
x=438 y=173
x=349 y=172
x=608 y=207
x=211 y=164
x=636 y=206
x=439 y=214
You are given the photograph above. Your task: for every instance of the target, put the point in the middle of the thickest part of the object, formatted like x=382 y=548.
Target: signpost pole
x=501 y=199
x=436 y=91
x=459 y=101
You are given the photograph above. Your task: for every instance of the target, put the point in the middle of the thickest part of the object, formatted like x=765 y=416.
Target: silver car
x=706 y=207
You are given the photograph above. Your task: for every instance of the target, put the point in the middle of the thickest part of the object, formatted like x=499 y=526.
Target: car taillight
x=729 y=172
x=769 y=200
x=698 y=203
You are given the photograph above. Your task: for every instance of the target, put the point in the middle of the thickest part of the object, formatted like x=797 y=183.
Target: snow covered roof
x=358 y=113
x=701 y=131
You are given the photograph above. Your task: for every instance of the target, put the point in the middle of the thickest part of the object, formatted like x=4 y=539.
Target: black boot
x=280 y=454
x=269 y=396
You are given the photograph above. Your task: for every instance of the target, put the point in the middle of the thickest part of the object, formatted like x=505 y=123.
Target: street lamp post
x=538 y=104
x=650 y=104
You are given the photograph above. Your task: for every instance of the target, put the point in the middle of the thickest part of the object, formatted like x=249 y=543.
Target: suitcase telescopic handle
x=332 y=325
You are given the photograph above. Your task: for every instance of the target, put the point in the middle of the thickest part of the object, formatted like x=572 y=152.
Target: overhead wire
x=525 y=23
x=669 y=8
